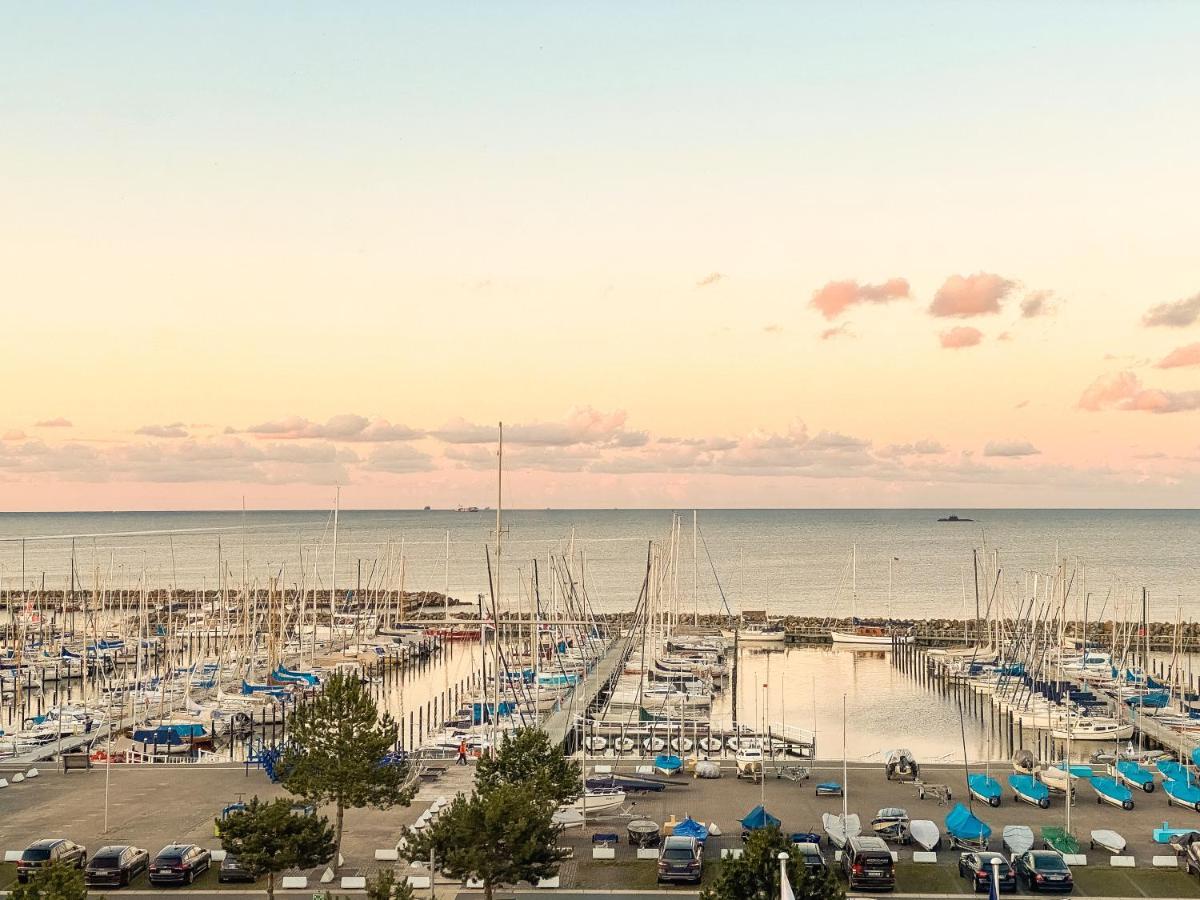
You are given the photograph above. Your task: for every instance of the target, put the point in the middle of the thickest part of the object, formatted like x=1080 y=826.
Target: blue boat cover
x=1196 y=757
x=1170 y=769
x=759 y=818
x=962 y=824
x=1135 y=773
x=1028 y=786
x=668 y=761
x=983 y=785
x=689 y=827
x=1183 y=791
x=1076 y=770
x=1111 y=788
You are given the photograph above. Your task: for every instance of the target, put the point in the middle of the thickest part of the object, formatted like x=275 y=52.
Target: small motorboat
x=984 y=788
x=711 y=744
x=1110 y=791
x=1029 y=789
x=1182 y=793
x=841 y=828
x=667 y=764
x=901 y=765
x=644 y=833
x=829 y=789
x=925 y=834
x=1108 y=840
x=1017 y=839
x=1133 y=774
x=965 y=830
x=893 y=825
x=1024 y=762
x=750 y=763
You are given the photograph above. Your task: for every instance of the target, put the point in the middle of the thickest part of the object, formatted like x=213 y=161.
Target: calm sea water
x=785 y=561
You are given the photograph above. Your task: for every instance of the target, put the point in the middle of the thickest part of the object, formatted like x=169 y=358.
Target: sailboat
x=866 y=634
x=841 y=828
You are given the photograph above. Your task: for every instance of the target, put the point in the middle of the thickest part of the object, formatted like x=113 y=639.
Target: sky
x=731 y=255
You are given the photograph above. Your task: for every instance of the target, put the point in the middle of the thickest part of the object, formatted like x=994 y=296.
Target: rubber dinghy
x=840 y=829
x=1182 y=793
x=1133 y=774
x=965 y=830
x=1110 y=791
x=984 y=788
x=1029 y=789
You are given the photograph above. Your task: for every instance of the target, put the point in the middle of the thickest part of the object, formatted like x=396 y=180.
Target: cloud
x=583 y=425
x=842 y=330
x=973 y=295
x=398 y=459
x=773 y=329
x=959 y=337
x=1178 y=314
x=837 y=296
x=1010 y=449
x=1124 y=391
x=346 y=427
x=174 y=430
x=710 y=279
x=1036 y=303
x=13 y=434
x=1183 y=356
x=917 y=448
x=59 y=422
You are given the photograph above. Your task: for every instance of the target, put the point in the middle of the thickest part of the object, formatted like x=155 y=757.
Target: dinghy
x=965 y=830
x=901 y=765
x=667 y=763
x=1029 y=789
x=1133 y=774
x=1108 y=840
x=829 y=789
x=925 y=834
x=841 y=828
x=758 y=818
x=1024 y=762
x=984 y=788
x=1055 y=837
x=1017 y=839
x=625 y=744
x=1110 y=791
x=599 y=800
x=1182 y=793
x=710 y=744
x=1170 y=770
x=893 y=825
x=689 y=827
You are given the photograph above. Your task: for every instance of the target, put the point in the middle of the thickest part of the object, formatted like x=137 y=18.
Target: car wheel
x=191 y=876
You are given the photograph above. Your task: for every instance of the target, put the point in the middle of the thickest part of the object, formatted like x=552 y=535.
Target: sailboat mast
x=337 y=502
x=695 y=575
x=496 y=596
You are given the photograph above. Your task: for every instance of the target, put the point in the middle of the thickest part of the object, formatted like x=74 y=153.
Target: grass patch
x=912 y=878
x=8 y=875
x=1103 y=881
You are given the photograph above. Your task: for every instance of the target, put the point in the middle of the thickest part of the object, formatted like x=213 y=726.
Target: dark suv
x=681 y=859
x=867 y=863
x=47 y=852
x=179 y=864
x=116 y=866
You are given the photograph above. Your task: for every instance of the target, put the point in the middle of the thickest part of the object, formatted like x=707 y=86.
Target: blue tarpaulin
x=759 y=818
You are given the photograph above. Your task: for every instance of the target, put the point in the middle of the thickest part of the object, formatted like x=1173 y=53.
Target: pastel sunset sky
x=876 y=254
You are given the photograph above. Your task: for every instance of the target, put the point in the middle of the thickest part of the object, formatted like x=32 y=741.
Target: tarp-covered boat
x=841 y=828
x=1017 y=839
x=1029 y=789
x=965 y=830
x=892 y=824
x=689 y=827
x=984 y=788
x=1107 y=840
x=1110 y=791
x=759 y=818
x=925 y=834
x=1055 y=837
x=1182 y=792
x=1133 y=774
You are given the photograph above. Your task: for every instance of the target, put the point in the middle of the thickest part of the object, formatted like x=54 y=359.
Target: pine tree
x=756 y=873
x=267 y=838
x=527 y=757
x=338 y=752
x=57 y=881
x=503 y=835
x=384 y=886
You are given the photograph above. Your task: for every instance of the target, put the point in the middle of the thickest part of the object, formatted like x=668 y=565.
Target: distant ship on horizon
x=954 y=518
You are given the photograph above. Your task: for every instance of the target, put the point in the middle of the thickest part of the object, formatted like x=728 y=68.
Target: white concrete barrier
x=353 y=882
x=1075 y=859
x=387 y=855
x=549 y=882
x=18 y=778
x=32 y=773
x=837 y=855
x=327 y=876
x=604 y=853
x=3 y=782
x=603 y=770
x=1165 y=862
x=474 y=884
x=218 y=855
x=647 y=853
x=294 y=882
x=1121 y=862
x=12 y=855
x=924 y=856
x=895 y=856
x=644 y=770
x=419 y=882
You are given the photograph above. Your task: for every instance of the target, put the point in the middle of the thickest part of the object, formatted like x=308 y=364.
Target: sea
x=902 y=563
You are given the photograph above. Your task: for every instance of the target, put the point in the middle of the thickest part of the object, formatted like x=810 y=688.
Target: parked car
x=48 y=851
x=179 y=864
x=680 y=859
x=978 y=867
x=867 y=863
x=116 y=866
x=811 y=856
x=1044 y=870
x=232 y=870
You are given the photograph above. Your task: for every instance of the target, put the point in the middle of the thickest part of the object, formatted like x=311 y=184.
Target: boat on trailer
x=1029 y=789
x=1109 y=790
x=965 y=830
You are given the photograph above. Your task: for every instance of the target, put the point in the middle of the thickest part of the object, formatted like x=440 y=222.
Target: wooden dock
x=560 y=725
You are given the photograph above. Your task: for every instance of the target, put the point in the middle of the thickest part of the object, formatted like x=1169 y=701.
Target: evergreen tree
x=756 y=874
x=339 y=752
x=266 y=838
x=57 y=881
x=384 y=886
x=527 y=757
x=503 y=835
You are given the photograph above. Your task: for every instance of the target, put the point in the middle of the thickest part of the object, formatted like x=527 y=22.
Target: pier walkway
x=558 y=724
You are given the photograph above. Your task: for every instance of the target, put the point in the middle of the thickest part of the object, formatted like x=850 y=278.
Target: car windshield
x=1049 y=864
x=36 y=854
x=813 y=860
x=107 y=859
x=677 y=853
x=172 y=857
